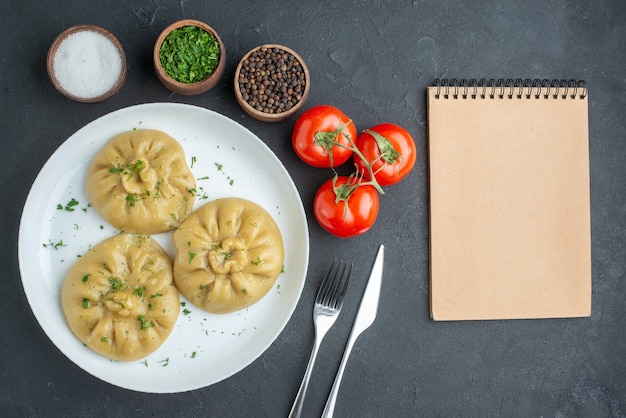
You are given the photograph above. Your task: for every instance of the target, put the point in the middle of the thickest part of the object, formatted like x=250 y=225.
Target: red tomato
x=344 y=208
x=390 y=149
x=316 y=133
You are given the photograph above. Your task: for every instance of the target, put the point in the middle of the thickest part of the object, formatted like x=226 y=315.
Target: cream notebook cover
x=510 y=233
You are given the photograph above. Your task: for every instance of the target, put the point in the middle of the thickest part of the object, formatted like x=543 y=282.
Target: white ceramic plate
x=228 y=160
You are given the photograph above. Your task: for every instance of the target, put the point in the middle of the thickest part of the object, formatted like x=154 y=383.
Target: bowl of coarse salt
x=87 y=63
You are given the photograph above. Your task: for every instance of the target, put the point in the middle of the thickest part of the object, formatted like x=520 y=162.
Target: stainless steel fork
x=328 y=304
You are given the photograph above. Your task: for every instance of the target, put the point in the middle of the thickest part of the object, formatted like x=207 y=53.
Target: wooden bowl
x=59 y=80
x=266 y=112
x=189 y=89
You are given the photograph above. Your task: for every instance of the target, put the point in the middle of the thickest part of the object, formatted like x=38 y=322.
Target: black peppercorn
x=271 y=80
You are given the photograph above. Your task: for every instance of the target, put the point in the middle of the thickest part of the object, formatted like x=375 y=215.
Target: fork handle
x=332 y=398
x=296 y=409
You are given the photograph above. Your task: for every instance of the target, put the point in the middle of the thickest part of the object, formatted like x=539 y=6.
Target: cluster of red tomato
x=324 y=137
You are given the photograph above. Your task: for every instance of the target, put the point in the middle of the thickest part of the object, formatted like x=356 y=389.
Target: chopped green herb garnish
x=70 y=205
x=131 y=200
x=136 y=167
x=139 y=291
x=192 y=255
x=86 y=303
x=143 y=322
x=116 y=283
x=56 y=245
x=86 y=277
x=189 y=54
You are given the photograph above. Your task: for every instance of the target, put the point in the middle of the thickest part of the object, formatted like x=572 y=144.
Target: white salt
x=87 y=64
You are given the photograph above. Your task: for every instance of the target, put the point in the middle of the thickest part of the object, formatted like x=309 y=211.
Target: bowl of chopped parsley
x=189 y=57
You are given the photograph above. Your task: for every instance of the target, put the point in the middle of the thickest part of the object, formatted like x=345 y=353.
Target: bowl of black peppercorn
x=271 y=82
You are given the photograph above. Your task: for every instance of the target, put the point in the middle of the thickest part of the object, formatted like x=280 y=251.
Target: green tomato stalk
x=328 y=139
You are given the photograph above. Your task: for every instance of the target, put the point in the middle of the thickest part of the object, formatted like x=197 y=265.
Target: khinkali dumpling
x=229 y=254
x=140 y=182
x=119 y=298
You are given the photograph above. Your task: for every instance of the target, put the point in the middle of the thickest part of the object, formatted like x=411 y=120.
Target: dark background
x=372 y=59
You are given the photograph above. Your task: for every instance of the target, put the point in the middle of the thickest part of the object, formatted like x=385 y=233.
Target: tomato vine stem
x=329 y=139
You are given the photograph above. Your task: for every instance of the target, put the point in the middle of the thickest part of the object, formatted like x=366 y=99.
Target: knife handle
x=332 y=398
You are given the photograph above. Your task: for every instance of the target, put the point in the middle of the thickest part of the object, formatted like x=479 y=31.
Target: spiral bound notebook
x=510 y=234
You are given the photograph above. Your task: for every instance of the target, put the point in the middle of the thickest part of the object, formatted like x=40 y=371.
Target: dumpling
x=140 y=182
x=119 y=298
x=229 y=254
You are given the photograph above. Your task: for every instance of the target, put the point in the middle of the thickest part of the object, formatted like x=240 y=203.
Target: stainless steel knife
x=364 y=318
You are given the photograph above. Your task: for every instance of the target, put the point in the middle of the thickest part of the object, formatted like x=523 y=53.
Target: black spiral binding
x=518 y=88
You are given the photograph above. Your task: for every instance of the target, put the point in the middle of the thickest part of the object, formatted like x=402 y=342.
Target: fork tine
x=324 y=290
x=334 y=285
x=342 y=286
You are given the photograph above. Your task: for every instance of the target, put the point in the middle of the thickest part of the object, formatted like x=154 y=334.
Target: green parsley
x=69 y=206
x=143 y=322
x=135 y=167
x=54 y=245
x=131 y=200
x=189 y=54
x=86 y=303
x=116 y=283
x=139 y=291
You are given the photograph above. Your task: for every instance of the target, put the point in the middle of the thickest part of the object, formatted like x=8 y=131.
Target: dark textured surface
x=373 y=59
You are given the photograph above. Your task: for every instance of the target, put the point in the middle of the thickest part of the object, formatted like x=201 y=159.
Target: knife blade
x=364 y=319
